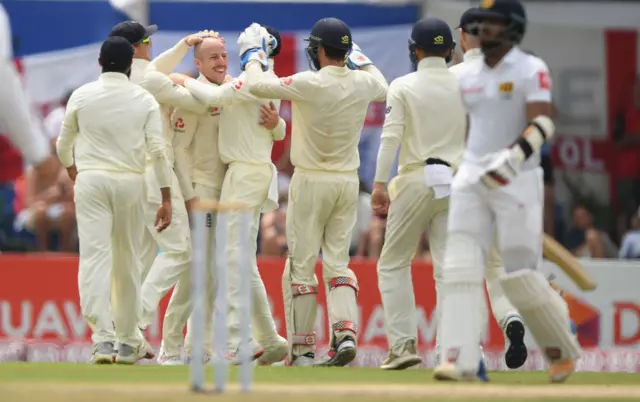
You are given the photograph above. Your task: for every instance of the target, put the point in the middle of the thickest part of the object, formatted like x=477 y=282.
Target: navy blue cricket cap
x=116 y=53
x=469 y=16
x=133 y=31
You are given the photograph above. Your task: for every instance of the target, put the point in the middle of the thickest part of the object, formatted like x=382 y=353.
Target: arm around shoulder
x=264 y=85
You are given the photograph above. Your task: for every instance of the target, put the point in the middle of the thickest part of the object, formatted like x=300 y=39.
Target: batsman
x=329 y=107
x=499 y=187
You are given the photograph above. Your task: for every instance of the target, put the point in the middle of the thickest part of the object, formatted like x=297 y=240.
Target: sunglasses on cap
x=146 y=40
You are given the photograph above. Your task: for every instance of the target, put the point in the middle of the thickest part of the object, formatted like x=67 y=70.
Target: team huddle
x=145 y=145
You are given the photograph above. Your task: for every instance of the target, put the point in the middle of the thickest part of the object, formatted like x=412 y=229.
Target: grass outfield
x=58 y=382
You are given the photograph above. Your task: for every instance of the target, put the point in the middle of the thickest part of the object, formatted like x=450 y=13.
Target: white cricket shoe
x=145 y=351
x=127 y=354
x=256 y=352
x=516 y=354
x=408 y=357
x=170 y=360
x=274 y=352
x=305 y=360
x=103 y=353
x=449 y=372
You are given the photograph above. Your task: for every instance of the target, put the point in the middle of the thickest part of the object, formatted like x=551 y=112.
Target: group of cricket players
x=145 y=145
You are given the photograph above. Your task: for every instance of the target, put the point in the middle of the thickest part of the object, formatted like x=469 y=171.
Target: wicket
x=207 y=215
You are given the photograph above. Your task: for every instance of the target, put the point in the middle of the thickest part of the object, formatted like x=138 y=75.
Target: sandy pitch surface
x=50 y=392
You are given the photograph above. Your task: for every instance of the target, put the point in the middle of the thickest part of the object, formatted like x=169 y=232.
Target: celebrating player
x=329 y=108
x=505 y=314
x=251 y=178
x=112 y=122
x=426 y=119
x=499 y=187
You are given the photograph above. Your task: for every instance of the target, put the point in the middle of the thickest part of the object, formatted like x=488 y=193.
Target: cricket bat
x=556 y=253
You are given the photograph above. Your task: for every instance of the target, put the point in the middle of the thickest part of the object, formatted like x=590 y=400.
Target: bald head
x=211 y=59
x=209 y=46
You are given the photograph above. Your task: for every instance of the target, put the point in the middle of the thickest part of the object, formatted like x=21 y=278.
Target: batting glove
x=503 y=170
x=252 y=45
x=356 y=58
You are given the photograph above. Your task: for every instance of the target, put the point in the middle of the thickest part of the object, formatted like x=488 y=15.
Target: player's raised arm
x=160 y=85
x=184 y=126
x=358 y=61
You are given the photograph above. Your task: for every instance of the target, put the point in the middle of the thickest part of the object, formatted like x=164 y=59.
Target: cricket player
x=329 y=108
x=426 y=119
x=108 y=127
x=16 y=120
x=251 y=178
x=505 y=314
x=498 y=188
x=196 y=138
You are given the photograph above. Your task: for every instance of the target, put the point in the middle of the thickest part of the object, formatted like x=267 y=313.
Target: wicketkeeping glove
x=504 y=168
x=356 y=58
x=252 y=45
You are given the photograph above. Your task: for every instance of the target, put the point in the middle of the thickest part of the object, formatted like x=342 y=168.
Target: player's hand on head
x=356 y=59
x=269 y=116
x=502 y=170
x=196 y=38
x=163 y=217
x=178 y=78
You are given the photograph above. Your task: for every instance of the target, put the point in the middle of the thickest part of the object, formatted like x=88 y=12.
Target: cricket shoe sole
x=517 y=353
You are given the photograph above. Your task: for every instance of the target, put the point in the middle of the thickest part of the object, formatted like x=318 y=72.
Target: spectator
x=46 y=212
x=630 y=248
x=585 y=240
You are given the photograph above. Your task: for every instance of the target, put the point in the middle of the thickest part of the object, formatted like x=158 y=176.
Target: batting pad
x=545 y=313
x=342 y=306
x=461 y=325
x=300 y=312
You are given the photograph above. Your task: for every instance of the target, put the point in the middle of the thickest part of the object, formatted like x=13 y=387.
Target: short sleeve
x=538 y=82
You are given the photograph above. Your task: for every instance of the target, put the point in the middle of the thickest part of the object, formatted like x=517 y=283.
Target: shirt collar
x=140 y=63
x=432 y=62
x=335 y=70
x=472 y=54
x=111 y=76
x=204 y=79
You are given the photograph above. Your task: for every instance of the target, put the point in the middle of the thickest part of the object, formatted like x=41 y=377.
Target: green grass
x=53 y=372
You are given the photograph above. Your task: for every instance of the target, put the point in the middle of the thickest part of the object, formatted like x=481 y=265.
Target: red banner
x=39 y=302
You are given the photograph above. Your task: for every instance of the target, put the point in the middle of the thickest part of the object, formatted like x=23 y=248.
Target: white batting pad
x=544 y=312
x=300 y=313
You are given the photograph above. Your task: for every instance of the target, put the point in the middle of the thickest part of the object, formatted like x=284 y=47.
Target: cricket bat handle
x=556 y=253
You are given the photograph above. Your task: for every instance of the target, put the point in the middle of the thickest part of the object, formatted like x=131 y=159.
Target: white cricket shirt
x=113 y=122
x=496 y=100
x=240 y=137
x=195 y=144
x=328 y=111
x=425 y=116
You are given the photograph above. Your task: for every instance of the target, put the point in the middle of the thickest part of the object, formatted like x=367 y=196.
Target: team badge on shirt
x=214 y=111
x=178 y=126
x=506 y=89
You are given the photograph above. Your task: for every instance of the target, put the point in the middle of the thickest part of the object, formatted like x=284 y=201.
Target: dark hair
x=335 y=54
x=274 y=32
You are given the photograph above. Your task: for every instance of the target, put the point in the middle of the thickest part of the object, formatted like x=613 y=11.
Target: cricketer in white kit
x=426 y=119
x=251 y=178
x=329 y=107
x=108 y=127
x=196 y=139
x=499 y=188
x=505 y=314
x=174 y=243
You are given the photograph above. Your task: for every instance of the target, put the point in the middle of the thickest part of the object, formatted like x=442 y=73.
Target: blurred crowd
x=32 y=220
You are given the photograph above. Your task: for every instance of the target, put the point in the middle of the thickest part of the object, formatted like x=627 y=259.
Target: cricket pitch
x=24 y=382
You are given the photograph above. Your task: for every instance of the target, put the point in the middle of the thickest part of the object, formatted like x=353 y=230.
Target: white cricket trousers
x=413 y=209
x=110 y=226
